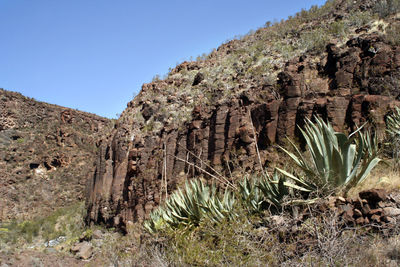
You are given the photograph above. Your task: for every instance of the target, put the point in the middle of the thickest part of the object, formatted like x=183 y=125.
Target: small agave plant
x=269 y=192
x=337 y=160
x=251 y=195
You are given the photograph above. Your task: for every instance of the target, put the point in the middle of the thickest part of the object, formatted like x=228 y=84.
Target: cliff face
x=196 y=119
x=47 y=152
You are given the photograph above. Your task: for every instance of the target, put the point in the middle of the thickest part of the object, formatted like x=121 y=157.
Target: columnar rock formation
x=348 y=85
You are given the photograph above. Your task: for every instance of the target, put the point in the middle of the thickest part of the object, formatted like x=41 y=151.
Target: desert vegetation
x=250 y=224
x=307 y=208
x=335 y=164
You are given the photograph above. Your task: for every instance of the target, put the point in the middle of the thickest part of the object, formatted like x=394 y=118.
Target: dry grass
x=383 y=176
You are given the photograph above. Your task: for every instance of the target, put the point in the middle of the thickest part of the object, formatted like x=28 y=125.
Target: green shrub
x=63 y=222
x=314 y=40
x=392 y=35
x=385 y=8
x=338 y=29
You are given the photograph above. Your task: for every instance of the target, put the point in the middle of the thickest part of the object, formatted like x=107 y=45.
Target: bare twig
x=207 y=165
x=255 y=143
x=165 y=170
x=206 y=172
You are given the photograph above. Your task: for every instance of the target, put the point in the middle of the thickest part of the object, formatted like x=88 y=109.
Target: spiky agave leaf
x=274 y=189
x=251 y=195
x=221 y=207
x=393 y=123
x=155 y=222
x=188 y=206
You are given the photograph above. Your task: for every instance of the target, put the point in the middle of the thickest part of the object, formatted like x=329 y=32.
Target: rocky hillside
x=340 y=61
x=46 y=154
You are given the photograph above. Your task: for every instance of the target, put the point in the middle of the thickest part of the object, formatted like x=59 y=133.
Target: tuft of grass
x=381 y=177
x=392 y=35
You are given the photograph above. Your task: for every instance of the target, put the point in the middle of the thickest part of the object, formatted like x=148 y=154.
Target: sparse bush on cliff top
x=385 y=8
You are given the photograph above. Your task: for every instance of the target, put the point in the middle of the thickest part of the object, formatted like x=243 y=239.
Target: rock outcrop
x=348 y=85
x=47 y=152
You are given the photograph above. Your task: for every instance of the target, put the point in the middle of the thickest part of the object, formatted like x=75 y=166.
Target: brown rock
x=388 y=219
x=366 y=210
x=85 y=252
x=346 y=212
x=346 y=87
x=381 y=204
x=376 y=218
x=360 y=221
x=341 y=200
x=61 y=141
x=246 y=135
x=357 y=213
x=373 y=195
x=390 y=211
x=97 y=234
x=198 y=78
x=375 y=211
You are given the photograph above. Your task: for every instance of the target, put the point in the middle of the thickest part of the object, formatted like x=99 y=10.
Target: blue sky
x=94 y=55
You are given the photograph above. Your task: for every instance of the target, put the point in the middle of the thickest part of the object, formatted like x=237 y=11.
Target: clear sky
x=94 y=55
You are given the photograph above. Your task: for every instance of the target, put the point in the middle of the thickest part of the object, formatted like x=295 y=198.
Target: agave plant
x=337 y=160
x=155 y=222
x=188 y=207
x=251 y=195
x=274 y=189
x=221 y=209
x=268 y=191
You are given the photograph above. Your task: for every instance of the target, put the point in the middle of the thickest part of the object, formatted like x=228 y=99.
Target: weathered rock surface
x=348 y=86
x=46 y=153
x=83 y=250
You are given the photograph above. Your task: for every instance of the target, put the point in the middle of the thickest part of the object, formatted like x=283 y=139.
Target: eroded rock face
x=46 y=153
x=348 y=86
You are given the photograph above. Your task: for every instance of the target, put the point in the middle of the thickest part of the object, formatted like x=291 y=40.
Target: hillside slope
x=340 y=61
x=46 y=154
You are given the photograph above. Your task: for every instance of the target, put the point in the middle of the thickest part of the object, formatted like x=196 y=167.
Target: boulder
x=83 y=250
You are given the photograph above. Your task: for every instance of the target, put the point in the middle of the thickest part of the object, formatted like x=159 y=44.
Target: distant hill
x=46 y=155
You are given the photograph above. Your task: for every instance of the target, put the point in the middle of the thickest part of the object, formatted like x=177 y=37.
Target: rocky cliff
x=47 y=152
x=339 y=61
